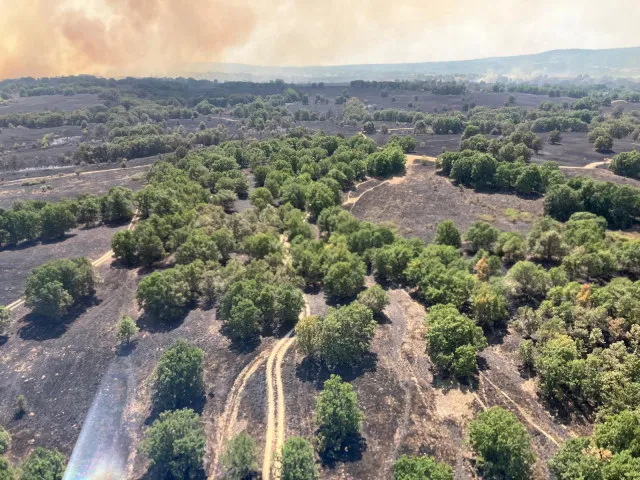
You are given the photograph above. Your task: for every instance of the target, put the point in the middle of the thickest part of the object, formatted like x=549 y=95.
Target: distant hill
x=611 y=63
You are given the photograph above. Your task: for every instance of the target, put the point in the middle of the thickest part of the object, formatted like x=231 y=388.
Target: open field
x=423 y=199
x=49 y=103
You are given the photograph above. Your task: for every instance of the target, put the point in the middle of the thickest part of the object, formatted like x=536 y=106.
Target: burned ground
x=52 y=103
x=422 y=199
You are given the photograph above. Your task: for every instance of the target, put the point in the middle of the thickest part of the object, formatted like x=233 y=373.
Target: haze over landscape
x=319 y=240
x=168 y=37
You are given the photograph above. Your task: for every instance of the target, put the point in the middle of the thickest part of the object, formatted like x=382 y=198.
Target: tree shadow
x=196 y=404
x=382 y=318
x=3 y=339
x=125 y=349
x=496 y=335
x=316 y=372
x=151 y=324
x=156 y=472
x=352 y=450
x=241 y=346
x=447 y=382
x=60 y=239
x=40 y=327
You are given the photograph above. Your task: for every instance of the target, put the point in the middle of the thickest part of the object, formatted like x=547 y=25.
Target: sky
x=166 y=37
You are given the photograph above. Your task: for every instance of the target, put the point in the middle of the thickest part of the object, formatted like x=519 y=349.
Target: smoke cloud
x=170 y=37
x=116 y=37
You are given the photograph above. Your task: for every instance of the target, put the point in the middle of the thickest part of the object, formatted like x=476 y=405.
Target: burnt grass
x=422 y=199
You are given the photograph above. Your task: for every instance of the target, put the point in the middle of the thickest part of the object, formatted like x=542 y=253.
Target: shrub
x=6 y=472
x=489 y=306
x=482 y=235
x=5 y=441
x=51 y=289
x=374 y=298
x=453 y=340
x=244 y=321
x=421 y=467
x=337 y=416
x=447 y=234
x=603 y=143
x=5 y=318
x=502 y=444
x=21 y=406
x=175 y=444
x=164 y=294
x=344 y=279
x=178 y=380
x=239 y=459
x=127 y=328
x=297 y=460
x=43 y=464
x=527 y=280
x=626 y=164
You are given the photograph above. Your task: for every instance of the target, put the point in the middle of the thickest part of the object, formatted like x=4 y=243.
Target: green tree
x=178 y=380
x=571 y=461
x=5 y=441
x=527 y=280
x=244 y=321
x=338 y=416
x=453 y=340
x=52 y=288
x=175 y=444
x=239 y=459
x=260 y=198
x=489 y=306
x=57 y=219
x=319 y=197
x=482 y=235
x=344 y=335
x=127 y=328
x=369 y=128
x=124 y=246
x=562 y=201
x=165 y=294
x=297 y=460
x=502 y=444
x=117 y=205
x=421 y=467
x=5 y=318
x=603 y=143
x=344 y=279
x=447 y=234
x=6 y=472
x=555 y=137
x=43 y=464
x=626 y=164
x=484 y=169
x=374 y=298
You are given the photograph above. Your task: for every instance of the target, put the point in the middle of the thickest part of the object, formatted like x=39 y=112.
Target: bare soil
x=417 y=204
x=16 y=263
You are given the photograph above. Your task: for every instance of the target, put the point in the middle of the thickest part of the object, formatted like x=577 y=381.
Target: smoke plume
x=116 y=37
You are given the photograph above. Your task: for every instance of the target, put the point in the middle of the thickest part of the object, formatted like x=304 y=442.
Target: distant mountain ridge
x=611 y=63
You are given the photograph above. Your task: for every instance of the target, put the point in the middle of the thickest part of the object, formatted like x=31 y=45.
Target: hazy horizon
x=165 y=37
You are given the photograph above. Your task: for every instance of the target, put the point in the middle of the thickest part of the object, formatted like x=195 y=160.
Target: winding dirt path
x=589 y=166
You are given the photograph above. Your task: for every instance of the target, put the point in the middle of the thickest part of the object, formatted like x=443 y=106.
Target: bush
x=51 y=289
x=297 y=460
x=421 y=468
x=555 y=137
x=127 y=328
x=239 y=459
x=447 y=234
x=244 y=321
x=502 y=444
x=453 y=340
x=43 y=464
x=527 y=280
x=374 y=298
x=482 y=235
x=5 y=318
x=164 y=294
x=337 y=416
x=5 y=441
x=175 y=444
x=489 y=306
x=562 y=201
x=57 y=219
x=603 y=144
x=6 y=472
x=344 y=279
x=178 y=381
x=626 y=164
